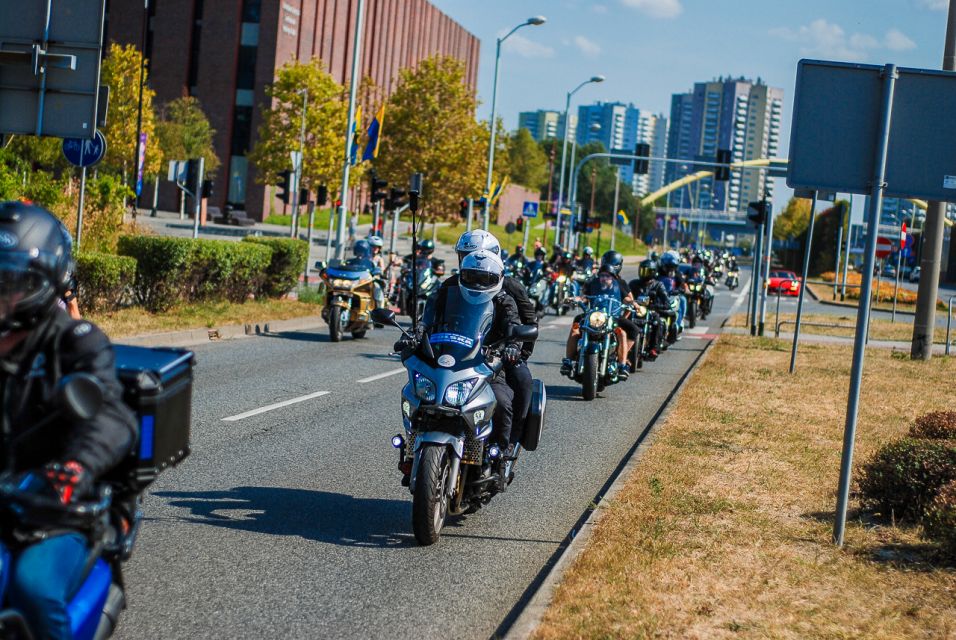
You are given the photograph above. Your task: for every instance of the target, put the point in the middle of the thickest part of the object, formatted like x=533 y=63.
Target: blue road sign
x=530 y=209
x=84 y=152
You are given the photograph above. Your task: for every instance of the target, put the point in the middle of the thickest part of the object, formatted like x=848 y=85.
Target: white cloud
x=589 y=48
x=822 y=39
x=656 y=8
x=896 y=40
x=935 y=5
x=526 y=47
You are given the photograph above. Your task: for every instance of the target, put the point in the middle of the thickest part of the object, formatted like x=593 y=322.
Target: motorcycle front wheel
x=589 y=376
x=335 y=324
x=691 y=313
x=430 y=502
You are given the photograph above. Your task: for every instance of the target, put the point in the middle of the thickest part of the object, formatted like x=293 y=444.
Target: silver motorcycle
x=447 y=461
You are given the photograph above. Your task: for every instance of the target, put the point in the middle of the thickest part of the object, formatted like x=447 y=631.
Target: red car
x=786 y=283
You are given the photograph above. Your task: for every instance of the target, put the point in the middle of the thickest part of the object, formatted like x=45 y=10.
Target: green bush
x=940 y=521
x=289 y=257
x=162 y=269
x=936 y=425
x=250 y=264
x=103 y=280
x=904 y=477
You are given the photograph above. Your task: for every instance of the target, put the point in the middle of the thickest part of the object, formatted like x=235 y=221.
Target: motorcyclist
x=480 y=279
x=364 y=257
x=426 y=250
x=517 y=374
x=63 y=458
x=674 y=281
x=517 y=263
x=557 y=253
x=608 y=282
x=647 y=284
x=378 y=258
x=585 y=263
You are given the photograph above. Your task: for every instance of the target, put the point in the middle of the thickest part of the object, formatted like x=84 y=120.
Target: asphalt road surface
x=289 y=521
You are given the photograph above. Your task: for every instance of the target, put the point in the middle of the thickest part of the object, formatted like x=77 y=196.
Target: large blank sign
x=49 y=78
x=836 y=120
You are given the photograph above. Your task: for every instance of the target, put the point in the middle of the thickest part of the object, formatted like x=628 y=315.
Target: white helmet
x=481 y=276
x=376 y=241
x=588 y=251
x=476 y=240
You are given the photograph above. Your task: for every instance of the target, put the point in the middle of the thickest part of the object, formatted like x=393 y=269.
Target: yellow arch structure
x=694 y=177
x=922 y=204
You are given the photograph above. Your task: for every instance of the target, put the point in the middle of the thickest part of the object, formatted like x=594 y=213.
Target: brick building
x=225 y=53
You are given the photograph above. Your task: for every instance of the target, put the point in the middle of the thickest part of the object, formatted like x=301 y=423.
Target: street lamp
x=532 y=22
x=564 y=150
x=573 y=188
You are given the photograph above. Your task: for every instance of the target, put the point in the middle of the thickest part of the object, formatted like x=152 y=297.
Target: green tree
x=430 y=127
x=184 y=132
x=793 y=220
x=326 y=119
x=529 y=163
x=121 y=73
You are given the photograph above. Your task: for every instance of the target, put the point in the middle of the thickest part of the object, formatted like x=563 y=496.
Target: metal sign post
x=863 y=312
x=83 y=153
x=471 y=213
x=308 y=236
x=803 y=282
x=765 y=271
x=197 y=196
x=757 y=267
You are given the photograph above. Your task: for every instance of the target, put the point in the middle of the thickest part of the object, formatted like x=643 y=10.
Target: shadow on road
x=313 y=515
x=313 y=335
x=564 y=392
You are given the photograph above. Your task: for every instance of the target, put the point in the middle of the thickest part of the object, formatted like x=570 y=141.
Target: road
x=289 y=521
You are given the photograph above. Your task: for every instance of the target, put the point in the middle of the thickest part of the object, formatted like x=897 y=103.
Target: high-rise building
x=226 y=52
x=621 y=127
x=545 y=125
x=734 y=114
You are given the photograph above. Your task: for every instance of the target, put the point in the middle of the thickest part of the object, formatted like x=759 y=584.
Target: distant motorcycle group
x=470 y=405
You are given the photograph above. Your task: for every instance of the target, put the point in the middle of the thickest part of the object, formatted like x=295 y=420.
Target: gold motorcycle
x=349 y=297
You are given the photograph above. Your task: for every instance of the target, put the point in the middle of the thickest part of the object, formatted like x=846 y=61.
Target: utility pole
x=768 y=254
x=353 y=90
x=297 y=168
x=617 y=193
x=550 y=201
x=139 y=112
x=925 y=322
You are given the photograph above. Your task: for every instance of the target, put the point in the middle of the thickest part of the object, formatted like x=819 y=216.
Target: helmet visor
x=478 y=280
x=19 y=284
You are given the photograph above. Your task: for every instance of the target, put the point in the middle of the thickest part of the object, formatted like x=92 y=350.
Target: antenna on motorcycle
x=414 y=191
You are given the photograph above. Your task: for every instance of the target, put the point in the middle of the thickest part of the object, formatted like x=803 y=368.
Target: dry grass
x=901 y=330
x=136 y=321
x=724 y=528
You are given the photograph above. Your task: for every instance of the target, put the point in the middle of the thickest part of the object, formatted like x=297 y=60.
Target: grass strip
x=901 y=330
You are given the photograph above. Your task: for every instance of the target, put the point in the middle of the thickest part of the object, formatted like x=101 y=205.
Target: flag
x=622 y=217
x=496 y=191
x=374 y=135
x=356 y=133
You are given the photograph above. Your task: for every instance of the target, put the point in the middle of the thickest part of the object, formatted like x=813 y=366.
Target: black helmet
x=519 y=250
x=540 y=253
x=557 y=248
x=567 y=255
x=36 y=264
x=647 y=269
x=426 y=246
x=613 y=261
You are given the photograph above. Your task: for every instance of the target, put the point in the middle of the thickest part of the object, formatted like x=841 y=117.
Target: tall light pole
x=530 y=22
x=350 y=132
x=564 y=150
x=573 y=188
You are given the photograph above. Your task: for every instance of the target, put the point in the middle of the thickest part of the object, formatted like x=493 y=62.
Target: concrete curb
x=533 y=612
x=193 y=337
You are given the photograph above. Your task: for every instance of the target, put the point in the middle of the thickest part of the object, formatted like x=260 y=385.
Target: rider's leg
x=504 y=398
x=518 y=377
x=571 y=348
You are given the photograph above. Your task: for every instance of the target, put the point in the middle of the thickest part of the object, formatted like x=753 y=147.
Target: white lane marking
x=387 y=374
x=278 y=405
x=740 y=298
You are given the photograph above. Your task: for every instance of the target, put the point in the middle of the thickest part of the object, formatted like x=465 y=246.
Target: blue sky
x=649 y=49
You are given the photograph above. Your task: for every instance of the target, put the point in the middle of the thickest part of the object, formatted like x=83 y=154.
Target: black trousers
x=503 y=415
x=518 y=378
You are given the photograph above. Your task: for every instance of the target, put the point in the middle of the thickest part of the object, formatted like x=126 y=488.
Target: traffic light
x=757 y=212
x=303 y=196
x=321 y=195
x=396 y=199
x=193 y=176
x=724 y=158
x=207 y=188
x=283 y=186
x=520 y=224
x=642 y=149
x=463 y=209
x=377 y=186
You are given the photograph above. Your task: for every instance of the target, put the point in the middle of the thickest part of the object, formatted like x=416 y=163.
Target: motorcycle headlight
x=597 y=319
x=458 y=393
x=424 y=388
x=340 y=283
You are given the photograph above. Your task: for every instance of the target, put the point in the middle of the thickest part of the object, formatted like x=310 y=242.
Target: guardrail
x=828 y=325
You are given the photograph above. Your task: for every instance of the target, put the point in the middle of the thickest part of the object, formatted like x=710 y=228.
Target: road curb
x=193 y=337
x=530 y=615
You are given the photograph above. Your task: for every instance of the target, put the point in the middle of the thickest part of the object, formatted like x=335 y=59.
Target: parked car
x=914 y=275
x=889 y=271
x=786 y=283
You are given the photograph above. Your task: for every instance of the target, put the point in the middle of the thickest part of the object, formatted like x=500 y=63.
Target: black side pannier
x=157 y=386
x=535 y=422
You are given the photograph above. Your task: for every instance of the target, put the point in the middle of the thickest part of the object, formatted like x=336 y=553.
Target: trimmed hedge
x=940 y=522
x=289 y=257
x=173 y=270
x=904 y=477
x=936 y=425
x=103 y=280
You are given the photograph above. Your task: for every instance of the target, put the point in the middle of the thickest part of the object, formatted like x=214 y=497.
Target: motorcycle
x=449 y=465
x=561 y=290
x=700 y=300
x=158 y=387
x=733 y=280
x=537 y=283
x=428 y=282
x=597 y=366
x=349 y=297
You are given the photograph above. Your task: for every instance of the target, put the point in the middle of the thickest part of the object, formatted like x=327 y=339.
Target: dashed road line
x=273 y=407
x=380 y=376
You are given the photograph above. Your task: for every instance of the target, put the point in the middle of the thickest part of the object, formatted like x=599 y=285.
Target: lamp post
x=564 y=150
x=533 y=22
x=573 y=188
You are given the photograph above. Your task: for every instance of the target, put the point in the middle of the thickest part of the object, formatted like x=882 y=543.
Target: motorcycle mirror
x=80 y=395
x=524 y=332
x=384 y=316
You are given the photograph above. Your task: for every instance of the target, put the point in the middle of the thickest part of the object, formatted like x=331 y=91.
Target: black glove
x=405 y=343
x=70 y=480
x=511 y=353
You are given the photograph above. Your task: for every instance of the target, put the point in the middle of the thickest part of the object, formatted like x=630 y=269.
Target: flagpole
x=350 y=131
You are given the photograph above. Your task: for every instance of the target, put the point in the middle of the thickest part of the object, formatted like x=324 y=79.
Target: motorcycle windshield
x=423 y=268
x=608 y=304
x=463 y=329
x=350 y=271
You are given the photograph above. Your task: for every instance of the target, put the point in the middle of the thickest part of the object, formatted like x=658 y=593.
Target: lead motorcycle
x=597 y=366
x=449 y=465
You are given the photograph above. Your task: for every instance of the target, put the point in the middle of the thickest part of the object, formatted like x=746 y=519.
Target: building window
x=238 y=171
x=246 y=68
x=195 y=41
x=241 y=130
x=250 y=34
x=251 y=10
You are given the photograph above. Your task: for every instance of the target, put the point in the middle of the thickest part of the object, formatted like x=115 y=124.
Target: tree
x=326 y=119
x=120 y=72
x=184 y=133
x=529 y=164
x=793 y=220
x=430 y=127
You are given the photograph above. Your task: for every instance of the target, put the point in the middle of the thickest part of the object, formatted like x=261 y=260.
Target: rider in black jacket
x=648 y=285
x=64 y=458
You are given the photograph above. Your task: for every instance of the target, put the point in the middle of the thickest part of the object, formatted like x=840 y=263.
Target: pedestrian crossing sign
x=530 y=209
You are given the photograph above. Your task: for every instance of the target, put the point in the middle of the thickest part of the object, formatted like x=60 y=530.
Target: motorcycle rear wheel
x=691 y=313
x=589 y=377
x=430 y=502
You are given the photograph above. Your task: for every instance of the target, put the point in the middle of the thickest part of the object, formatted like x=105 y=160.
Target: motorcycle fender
x=342 y=302
x=434 y=437
x=593 y=347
